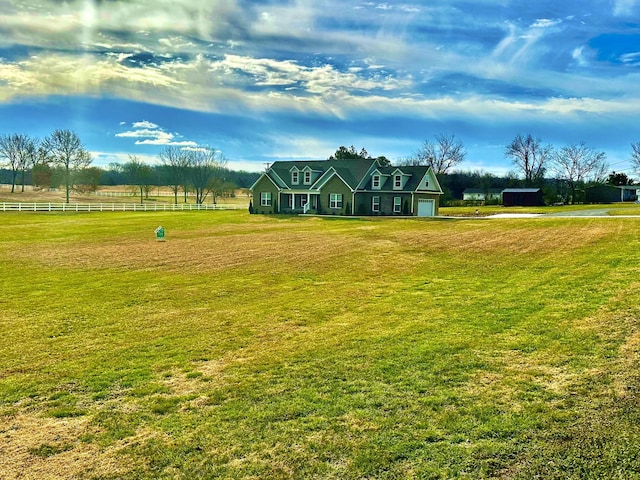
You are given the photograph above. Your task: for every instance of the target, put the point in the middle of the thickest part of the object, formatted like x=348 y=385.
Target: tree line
x=559 y=172
x=62 y=159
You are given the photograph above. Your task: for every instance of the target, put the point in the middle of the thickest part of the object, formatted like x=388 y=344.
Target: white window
x=375 y=204
x=307 y=177
x=335 y=200
x=290 y=201
x=397 y=204
x=397 y=182
x=375 y=181
x=295 y=177
x=265 y=199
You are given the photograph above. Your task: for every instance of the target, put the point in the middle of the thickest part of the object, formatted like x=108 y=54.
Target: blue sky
x=273 y=79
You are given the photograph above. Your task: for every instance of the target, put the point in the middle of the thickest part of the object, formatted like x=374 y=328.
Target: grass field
x=283 y=347
x=112 y=194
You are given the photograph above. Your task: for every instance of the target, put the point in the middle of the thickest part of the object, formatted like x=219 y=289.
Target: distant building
x=481 y=194
x=611 y=193
x=522 y=197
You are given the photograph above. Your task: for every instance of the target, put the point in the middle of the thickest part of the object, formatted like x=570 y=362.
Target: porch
x=300 y=202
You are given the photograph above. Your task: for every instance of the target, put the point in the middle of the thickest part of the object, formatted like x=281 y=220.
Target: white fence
x=113 y=207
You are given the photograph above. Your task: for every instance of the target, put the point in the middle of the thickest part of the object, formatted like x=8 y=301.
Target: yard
x=284 y=347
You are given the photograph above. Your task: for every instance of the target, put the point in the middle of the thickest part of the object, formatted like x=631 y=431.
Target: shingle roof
x=351 y=171
x=416 y=173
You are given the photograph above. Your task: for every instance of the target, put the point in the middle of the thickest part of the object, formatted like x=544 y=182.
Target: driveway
x=596 y=212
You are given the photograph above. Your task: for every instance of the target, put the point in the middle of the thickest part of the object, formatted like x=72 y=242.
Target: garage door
x=426 y=208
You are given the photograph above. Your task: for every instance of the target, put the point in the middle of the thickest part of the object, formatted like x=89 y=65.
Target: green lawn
x=627 y=208
x=283 y=347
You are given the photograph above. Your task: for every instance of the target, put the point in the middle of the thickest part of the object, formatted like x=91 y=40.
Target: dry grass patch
x=47 y=448
x=509 y=236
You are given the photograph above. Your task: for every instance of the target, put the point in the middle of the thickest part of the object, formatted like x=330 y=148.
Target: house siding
x=426 y=196
x=335 y=185
x=265 y=185
x=364 y=202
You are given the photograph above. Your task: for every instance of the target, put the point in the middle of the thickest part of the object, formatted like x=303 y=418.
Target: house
x=611 y=193
x=481 y=194
x=522 y=197
x=346 y=187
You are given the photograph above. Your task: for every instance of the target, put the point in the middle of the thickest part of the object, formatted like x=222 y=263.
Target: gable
x=429 y=182
x=329 y=179
x=260 y=182
x=314 y=172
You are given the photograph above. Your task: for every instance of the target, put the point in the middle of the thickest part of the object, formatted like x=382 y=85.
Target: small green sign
x=160 y=234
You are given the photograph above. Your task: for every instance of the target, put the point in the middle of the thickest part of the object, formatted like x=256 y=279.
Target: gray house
x=346 y=187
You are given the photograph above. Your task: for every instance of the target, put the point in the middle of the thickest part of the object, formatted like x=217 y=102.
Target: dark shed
x=522 y=197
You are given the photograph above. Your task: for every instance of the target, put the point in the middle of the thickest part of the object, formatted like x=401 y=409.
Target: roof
x=415 y=174
x=521 y=190
x=482 y=190
x=351 y=171
x=355 y=173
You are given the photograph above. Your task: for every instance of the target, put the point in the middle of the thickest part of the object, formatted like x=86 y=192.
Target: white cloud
x=76 y=21
x=624 y=7
x=58 y=74
x=631 y=59
x=578 y=55
x=148 y=133
x=317 y=80
x=545 y=23
x=103 y=159
x=523 y=46
x=145 y=124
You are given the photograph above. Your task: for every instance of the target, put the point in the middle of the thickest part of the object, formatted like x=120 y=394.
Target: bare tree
x=139 y=174
x=176 y=163
x=530 y=156
x=576 y=163
x=442 y=155
x=205 y=167
x=41 y=171
x=66 y=151
x=19 y=151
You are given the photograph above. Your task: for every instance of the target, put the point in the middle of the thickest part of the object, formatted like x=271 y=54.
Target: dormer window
x=307 y=177
x=375 y=181
x=397 y=182
x=295 y=177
